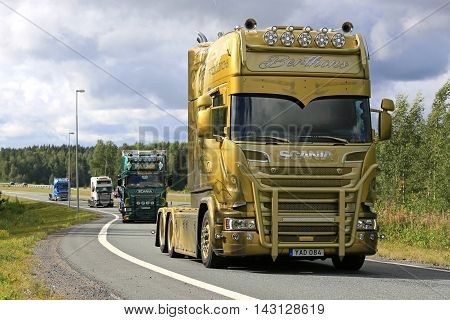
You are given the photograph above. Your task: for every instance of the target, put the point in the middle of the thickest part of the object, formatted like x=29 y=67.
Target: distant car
x=25 y=184
x=12 y=183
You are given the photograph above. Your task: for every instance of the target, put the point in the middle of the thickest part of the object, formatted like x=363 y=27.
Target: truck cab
x=60 y=190
x=281 y=148
x=101 y=192
x=142 y=184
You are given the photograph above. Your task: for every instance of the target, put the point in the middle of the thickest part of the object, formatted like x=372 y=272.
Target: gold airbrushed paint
x=224 y=182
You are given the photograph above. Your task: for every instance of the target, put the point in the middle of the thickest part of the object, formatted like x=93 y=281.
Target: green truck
x=142 y=183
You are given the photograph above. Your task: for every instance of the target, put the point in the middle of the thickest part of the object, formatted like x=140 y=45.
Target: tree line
x=414 y=164
x=40 y=164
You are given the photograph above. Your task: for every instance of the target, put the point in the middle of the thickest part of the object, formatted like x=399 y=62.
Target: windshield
x=148 y=180
x=278 y=119
x=62 y=185
x=104 y=189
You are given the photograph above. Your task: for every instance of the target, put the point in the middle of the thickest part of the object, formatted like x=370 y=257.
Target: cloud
x=145 y=43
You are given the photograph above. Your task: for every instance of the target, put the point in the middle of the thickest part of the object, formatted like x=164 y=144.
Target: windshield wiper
x=342 y=140
x=264 y=137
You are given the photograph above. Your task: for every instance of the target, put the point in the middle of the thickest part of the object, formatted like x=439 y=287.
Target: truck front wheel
x=209 y=258
x=353 y=263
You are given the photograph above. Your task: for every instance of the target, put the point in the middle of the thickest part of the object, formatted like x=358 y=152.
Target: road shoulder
x=61 y=278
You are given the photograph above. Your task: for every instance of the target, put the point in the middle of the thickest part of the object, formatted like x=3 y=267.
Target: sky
x=131 y=58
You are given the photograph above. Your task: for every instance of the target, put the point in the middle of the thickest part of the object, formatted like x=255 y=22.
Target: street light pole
x=76 y=149
x=68 y=174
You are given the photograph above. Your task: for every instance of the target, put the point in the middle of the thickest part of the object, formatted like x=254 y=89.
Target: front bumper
x=246 y=243
x=145 y=214
x=103 y=203
x=273 y=238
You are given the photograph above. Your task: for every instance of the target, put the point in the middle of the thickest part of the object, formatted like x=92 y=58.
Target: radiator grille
x=319 y=171
x=317 y=213
x=305 y=182
x=304 y=206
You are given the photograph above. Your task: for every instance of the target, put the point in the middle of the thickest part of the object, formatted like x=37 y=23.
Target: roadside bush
x=425 y=230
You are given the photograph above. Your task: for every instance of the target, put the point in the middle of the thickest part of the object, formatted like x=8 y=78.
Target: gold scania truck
x=281 y=148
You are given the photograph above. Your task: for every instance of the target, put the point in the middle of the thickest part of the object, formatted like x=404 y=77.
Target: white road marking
x=227 y=293
x=102 y=238
x=407 y=265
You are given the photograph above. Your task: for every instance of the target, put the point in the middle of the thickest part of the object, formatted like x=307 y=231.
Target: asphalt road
x=125 y=259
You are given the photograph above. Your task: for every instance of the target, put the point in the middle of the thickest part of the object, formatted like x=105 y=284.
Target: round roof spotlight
x=321 y=40
x=250 y=24
x=270 y=37
x=324 y=29
x=347 y=27
x=307 y=29
x=338 y=40
x=287 y=39
x=305 y=39
x=290 y=28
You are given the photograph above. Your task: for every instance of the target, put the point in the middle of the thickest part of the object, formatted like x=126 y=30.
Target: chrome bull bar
x=274 y=244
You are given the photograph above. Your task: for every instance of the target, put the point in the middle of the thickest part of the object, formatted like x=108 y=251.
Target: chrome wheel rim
x=205 y=239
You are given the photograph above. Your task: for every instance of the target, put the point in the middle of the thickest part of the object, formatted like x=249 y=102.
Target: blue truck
x=60 y=190
x=142 y=184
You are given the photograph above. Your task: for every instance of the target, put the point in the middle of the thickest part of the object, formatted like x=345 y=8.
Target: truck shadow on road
x=325 y=268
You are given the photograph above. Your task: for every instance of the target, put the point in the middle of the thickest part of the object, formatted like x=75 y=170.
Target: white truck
x=101 y=192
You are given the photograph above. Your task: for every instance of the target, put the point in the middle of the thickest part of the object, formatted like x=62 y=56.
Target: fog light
x=287 y=38
x=271 y=37
x=361 y=236
x=235 y=236
x=304 y=39
x=372 y=236
x=249 y=236
x=338 y=40
x=321 y=40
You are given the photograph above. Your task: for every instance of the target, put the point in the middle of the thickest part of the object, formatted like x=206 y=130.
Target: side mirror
x=387 y=105
x=204 y=101
x=204 y=123
x=384 y=125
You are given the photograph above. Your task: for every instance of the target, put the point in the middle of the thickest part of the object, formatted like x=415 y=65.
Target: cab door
x=211 y=151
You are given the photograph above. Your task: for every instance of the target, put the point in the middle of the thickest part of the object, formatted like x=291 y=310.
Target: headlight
x=338 y=40
x=271 y=37
x=304 y=39
x=138 y=202
x=321 y=39
x=147 y=202
x=239 y=224
x=366 y=224
x=287 y=38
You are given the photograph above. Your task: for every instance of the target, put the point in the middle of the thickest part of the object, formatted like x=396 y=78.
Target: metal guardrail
x=25 y=185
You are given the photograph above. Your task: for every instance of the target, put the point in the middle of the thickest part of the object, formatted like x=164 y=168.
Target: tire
x=209 y=258
x=171 y=238
x=351 y=263
x=162 y=239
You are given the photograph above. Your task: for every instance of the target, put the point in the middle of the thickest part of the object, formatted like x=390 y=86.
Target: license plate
x=306 y=252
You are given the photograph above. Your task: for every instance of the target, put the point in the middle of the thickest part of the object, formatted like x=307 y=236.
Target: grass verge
x=23 y=223
x=422 y=237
